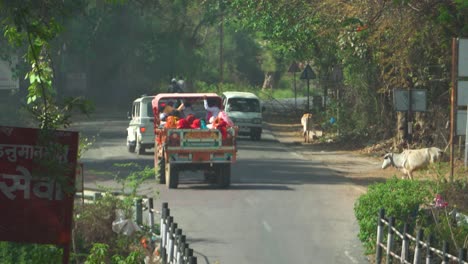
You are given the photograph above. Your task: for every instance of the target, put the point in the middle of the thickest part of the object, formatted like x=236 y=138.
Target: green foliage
x=93 y=222
x=100 y=255
x=400 y=199
x=16 y=253
x=135 y=178
x=442 y=222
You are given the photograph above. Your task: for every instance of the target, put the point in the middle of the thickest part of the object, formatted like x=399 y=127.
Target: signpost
x=294 y=67
x=462 y=93
x=401 y=102
x=418 y=99
x=7 y=79
x=36 y=195
x=308 y=74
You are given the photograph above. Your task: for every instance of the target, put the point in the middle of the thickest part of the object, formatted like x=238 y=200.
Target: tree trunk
x=267 y=81
x=401 y=130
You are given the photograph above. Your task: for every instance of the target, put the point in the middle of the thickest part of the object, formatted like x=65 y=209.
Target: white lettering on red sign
x=28 y=152
x=44 y=188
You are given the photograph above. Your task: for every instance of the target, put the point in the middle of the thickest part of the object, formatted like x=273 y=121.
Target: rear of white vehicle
x=140 y=132
x=245 y=111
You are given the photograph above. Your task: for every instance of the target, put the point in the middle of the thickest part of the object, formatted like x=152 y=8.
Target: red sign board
x=36 y=196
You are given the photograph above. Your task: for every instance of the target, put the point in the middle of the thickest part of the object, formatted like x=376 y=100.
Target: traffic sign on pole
x=308 y=74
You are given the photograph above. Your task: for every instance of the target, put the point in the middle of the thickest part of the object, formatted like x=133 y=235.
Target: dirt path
x=362 y=170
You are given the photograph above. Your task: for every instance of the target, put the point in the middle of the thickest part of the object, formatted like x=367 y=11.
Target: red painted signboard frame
x=34 y=206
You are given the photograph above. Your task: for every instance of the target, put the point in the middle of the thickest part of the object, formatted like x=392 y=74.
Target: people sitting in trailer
x=187 y=109
x=169 y=110
x=211 y=107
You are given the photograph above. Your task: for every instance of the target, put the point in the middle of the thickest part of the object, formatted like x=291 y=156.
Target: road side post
x=188 y=254
x=163 y=255
x=164 y=218
x=462 y=255
x=139 y=211
x=405 y=244
x=171 y=242
x=429 y=253
x=445 y=257
x=183 y=251
x=150 y=215
x=391 y=223
x=192 y=260
x=378 y=254
x=180 y=251
x=177 y=235
x=417 y=248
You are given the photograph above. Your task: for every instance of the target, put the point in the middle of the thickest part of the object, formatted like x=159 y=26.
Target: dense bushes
x=400 y=199
x=412 y=202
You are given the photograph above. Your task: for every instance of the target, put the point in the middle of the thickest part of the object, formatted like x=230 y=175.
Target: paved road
x=283 y=207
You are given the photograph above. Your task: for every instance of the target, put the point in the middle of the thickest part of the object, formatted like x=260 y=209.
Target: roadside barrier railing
x=174 y=249
x=419 y=245
x=173 y=244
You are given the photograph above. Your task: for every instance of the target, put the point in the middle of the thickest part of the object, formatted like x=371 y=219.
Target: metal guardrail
x=174 y=247
x=406 y=239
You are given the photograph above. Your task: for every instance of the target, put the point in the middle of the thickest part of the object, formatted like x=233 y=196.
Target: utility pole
x=221 y=46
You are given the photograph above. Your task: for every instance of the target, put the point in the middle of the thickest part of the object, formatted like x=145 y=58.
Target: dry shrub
x=93 y=224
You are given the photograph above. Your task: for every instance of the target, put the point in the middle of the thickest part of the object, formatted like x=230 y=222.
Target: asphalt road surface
x=282 y=207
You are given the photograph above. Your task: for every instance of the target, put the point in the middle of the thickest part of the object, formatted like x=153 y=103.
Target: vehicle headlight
x=257 y=121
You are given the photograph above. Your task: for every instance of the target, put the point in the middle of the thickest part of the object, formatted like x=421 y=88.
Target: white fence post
x=462 y=255
x=150 y=215
x=405 y=244
x=378 y=254
x=445 y=258
x=177 y=235
x=170 y=254
x=391 y=223
x=428 y=249
x=417 y=248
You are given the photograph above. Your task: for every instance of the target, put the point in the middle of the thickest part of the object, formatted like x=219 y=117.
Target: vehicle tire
x=258 y=136
x=224 y=175
x=210 y=176
x=130 y=148
x=160 y=169
x=172 y=176
x=140 y=150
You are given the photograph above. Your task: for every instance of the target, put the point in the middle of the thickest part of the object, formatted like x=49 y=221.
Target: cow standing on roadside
x=305 y=123
x=411 y=160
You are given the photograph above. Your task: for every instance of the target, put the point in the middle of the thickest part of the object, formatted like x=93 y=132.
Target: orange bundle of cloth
x=171 y=122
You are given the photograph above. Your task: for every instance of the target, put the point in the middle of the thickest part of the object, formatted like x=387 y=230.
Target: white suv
x=140 y=133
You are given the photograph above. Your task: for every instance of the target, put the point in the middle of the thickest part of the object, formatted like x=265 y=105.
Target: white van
x=245 y=111
x=140 y=133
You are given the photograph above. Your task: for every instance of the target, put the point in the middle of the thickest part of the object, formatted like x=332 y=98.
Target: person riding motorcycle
x=174 y=87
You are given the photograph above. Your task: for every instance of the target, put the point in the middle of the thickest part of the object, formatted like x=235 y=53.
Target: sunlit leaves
x=26 y=24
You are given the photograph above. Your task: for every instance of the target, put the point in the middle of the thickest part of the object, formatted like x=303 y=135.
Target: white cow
x=412 y=159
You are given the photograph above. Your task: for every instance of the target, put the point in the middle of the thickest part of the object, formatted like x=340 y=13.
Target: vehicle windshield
x=243 y=105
